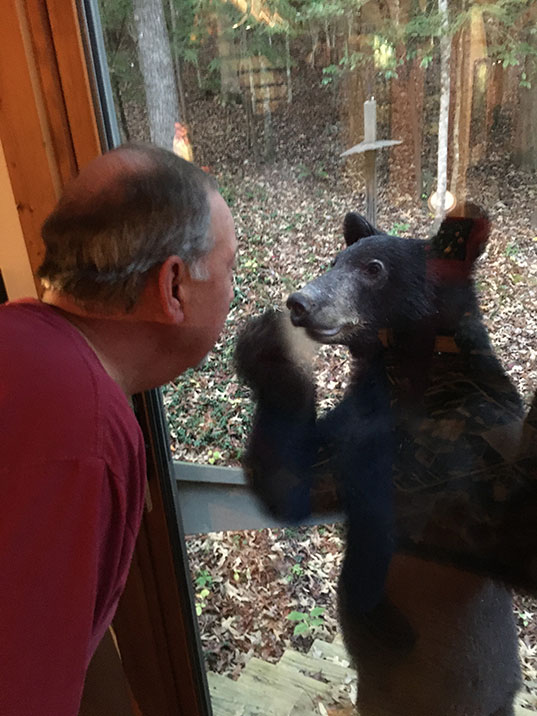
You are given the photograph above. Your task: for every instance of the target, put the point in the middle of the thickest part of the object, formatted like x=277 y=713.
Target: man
x=138 y=281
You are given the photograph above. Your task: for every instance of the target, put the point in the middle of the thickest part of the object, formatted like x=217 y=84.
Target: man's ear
x=171 y=275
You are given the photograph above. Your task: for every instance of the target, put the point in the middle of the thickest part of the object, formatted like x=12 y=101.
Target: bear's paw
x=272 y=364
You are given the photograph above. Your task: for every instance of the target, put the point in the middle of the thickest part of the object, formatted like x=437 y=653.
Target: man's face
x=209 y=299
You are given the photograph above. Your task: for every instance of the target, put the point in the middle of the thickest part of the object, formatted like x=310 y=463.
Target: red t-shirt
x=72 y=470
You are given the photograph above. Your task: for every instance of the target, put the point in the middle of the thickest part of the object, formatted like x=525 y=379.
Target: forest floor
x=288 y=216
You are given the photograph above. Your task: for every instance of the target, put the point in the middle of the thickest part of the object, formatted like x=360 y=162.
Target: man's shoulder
x=56 y=397
x=33 y=332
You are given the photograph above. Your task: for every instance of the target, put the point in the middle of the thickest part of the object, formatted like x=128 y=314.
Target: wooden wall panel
x=51 y=90
x=14 y=262
x=47 y=121
x=24 y=130
x=74 y=79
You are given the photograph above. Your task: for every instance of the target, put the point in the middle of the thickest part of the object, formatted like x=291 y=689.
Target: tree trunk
x=314 y=32
x=443 y=119
x=469 y=102
x=262 y=86
x=229 y=77
x=253 y=86
x=355 y=91
x=328 y=46
x=525 y=145
x=480 y=81
x=177 y=65
x=118 y=100
x=406 y=100
x=407 y=125
x=494 y=91
x=416 y=92
x=248 y=94
x=357 y=86
x=463 y=115
x=456 y=113
x=267 y=125
x=495 y=102
x=157 y=71
x=288 y=70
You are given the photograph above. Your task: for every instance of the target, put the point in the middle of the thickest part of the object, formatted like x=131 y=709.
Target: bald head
x=127 y=211
x=103 y=179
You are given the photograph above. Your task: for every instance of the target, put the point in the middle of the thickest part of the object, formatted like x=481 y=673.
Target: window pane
x=304 y=112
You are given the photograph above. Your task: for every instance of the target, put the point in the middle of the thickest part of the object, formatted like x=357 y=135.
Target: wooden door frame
x=50 y=127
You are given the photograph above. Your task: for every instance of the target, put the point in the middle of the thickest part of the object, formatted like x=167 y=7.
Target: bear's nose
x=299 y=305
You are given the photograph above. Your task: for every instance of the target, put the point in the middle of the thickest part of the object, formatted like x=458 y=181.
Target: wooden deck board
x=334 y=651
x=312 y=666
x=280 y=702
x=285 y=677
x=249 y=697
x=298 y=685
x=289 y=688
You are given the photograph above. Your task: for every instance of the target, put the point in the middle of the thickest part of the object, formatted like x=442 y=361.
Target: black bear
x=429 y=458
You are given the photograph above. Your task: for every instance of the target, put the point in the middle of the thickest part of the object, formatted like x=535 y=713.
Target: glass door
x=303 y=112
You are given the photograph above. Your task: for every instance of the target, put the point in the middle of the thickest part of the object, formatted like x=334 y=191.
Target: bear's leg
x=279 y=460
x=360 y=435
x=465 y=660
x=283 y=444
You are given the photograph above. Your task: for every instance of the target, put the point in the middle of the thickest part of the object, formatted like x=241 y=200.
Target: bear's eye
x=374 y=268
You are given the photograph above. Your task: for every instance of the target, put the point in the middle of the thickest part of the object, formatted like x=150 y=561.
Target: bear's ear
x=462 y=236
x=355 y=227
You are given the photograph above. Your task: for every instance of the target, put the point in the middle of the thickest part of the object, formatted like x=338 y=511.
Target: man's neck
x=123 y=347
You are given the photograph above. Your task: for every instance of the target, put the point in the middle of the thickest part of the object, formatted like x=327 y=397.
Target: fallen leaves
x=248 y=615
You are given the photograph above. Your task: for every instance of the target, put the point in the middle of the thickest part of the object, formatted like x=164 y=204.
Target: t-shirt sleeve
x=64 y=552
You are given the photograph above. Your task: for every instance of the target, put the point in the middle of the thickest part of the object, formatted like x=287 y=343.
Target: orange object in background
x=181 y=143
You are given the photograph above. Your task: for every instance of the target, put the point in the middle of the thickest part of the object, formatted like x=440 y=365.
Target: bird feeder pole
x=369 y=147
x=370 y=157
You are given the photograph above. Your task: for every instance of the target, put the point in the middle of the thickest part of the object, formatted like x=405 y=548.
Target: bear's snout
x=300 y=305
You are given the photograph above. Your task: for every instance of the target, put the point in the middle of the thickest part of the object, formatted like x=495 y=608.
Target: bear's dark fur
x=431 y=411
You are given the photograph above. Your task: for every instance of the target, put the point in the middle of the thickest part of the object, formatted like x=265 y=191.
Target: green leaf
x=300 y=629
x=297 y=616
x=317 y=611
x=426 y=61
